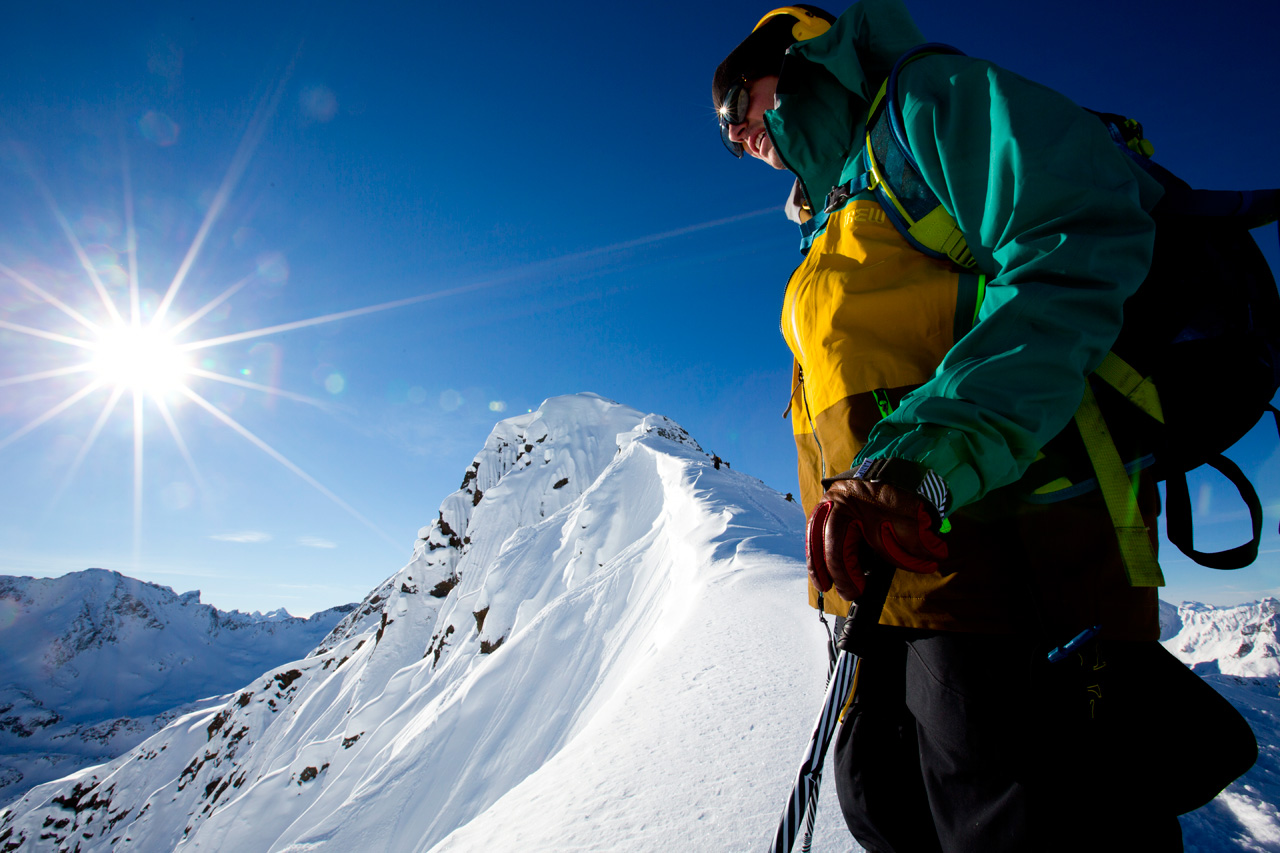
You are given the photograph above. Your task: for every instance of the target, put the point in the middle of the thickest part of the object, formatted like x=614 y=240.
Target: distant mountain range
x=94 y=662
x=602 y=642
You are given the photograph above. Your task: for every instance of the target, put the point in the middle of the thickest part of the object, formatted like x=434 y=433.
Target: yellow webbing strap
x=1054 y=486
x=1122 y=503
x=853 y=688
x=1135 y=387
x=875 y=102
x=938 y=231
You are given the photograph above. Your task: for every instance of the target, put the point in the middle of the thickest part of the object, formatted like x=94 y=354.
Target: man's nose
x=738 y=132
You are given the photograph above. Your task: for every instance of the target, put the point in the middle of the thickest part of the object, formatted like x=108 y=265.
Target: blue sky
x=544 y=191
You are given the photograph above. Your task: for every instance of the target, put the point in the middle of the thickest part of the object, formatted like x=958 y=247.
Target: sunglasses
x=733 y=110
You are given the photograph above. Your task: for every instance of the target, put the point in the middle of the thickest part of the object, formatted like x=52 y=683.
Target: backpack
x=1203 y=327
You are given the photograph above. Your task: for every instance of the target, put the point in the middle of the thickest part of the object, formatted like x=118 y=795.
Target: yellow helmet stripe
x=807 y=26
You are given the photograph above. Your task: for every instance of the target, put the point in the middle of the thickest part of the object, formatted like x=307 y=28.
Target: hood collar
x=826 y=87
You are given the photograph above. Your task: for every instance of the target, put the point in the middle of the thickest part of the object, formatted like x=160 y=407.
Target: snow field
x=601 y=643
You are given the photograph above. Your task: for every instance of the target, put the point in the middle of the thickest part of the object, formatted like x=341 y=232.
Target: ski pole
x=803 y=802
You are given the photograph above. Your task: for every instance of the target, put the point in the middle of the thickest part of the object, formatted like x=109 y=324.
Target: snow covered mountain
x=93 y=662
x=600 y=643
x=1237 y=651
x=595 y=618
x=1237 y=641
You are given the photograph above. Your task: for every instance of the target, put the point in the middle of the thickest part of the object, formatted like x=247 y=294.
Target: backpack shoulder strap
x=1136 y=550
x=894 y=175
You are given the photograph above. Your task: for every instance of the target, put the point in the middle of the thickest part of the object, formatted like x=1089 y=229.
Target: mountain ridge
x=601 y=641
x=92 y=662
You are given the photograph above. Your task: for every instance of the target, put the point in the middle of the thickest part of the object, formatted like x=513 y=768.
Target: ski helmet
x=760 y=55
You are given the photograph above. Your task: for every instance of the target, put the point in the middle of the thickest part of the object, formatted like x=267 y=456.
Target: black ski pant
x=966 y=742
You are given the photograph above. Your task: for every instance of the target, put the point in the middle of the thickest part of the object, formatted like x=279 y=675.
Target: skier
x=914 y=413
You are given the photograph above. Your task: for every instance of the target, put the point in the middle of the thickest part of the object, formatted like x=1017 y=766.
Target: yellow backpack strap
x=1132 y=385
x=1119 y=494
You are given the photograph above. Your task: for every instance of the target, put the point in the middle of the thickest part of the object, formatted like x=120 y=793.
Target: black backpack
x=1196 y=364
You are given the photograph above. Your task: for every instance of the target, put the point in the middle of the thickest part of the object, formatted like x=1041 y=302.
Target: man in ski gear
x=922 y=393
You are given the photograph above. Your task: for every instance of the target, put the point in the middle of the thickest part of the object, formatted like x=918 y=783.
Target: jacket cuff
x=903 y=474
x=941 y=451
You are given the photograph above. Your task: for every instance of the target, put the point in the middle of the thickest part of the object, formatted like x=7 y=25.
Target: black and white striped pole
x=802 y=805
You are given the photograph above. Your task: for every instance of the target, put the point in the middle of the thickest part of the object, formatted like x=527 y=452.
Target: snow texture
x=1236 y=650
x=93 y=662
x=601 y=642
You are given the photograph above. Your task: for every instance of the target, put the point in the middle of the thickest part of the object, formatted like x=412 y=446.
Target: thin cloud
x=316 y=542
x=247 y=536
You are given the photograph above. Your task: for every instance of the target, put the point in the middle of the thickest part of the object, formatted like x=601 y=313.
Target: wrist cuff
x=910 y=476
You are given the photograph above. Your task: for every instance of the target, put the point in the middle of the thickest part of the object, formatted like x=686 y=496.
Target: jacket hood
x=861 y=47
x=827 y=85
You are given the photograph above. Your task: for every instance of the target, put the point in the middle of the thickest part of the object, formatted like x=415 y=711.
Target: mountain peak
x=93 y=661
x=555 y=582
x=601 y=641
x=1240 y=640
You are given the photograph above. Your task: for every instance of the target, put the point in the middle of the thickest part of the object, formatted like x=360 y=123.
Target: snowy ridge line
x=601 y=641
x=549 y=591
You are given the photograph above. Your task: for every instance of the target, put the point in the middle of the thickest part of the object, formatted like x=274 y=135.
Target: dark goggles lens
x=733 y=110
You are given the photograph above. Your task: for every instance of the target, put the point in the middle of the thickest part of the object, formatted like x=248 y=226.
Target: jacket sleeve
x=1056 y=216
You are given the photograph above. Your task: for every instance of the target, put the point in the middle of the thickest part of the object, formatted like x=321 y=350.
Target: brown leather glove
x=862 y=510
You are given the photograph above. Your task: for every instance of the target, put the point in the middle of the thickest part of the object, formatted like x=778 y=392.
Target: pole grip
x=864 y=614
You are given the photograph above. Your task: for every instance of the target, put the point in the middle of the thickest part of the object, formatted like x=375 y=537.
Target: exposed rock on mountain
x=93 y=662
x=592 y=563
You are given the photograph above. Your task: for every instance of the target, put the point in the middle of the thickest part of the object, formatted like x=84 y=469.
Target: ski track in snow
x=601 y=643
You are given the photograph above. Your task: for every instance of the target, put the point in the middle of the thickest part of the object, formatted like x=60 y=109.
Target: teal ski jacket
x=1057 y=219
x=1054 y=213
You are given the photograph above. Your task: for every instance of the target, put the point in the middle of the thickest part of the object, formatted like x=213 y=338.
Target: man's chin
x=770 y=156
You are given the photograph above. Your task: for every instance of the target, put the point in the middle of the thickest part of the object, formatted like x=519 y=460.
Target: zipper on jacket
x=782 y=317
x=813 y=430
x=804 y=395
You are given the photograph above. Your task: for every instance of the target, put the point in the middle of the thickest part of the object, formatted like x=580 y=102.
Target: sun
x=140 y=358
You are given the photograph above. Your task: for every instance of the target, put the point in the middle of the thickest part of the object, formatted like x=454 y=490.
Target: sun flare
x=140 y=358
